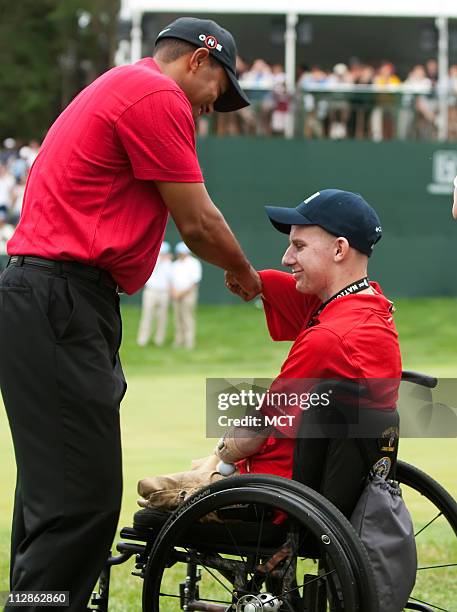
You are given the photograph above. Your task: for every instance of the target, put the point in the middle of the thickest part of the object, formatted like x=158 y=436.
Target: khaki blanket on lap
x=169 y=491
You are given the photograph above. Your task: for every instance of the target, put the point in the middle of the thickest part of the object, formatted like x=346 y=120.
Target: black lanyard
x=355 y=287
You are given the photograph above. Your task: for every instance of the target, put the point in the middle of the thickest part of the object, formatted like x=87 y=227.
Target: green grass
x=163 y=414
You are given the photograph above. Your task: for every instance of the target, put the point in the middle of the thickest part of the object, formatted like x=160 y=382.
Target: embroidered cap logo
x=210 y=41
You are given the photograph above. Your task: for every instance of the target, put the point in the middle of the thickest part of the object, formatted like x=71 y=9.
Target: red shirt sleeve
x=158 y=134
x=286 y=309
x=318 y=354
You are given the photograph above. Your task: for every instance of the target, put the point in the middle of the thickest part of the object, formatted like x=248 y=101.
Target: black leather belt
x=76 y=268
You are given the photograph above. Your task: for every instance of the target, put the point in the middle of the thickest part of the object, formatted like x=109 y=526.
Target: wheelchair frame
x=344 y=577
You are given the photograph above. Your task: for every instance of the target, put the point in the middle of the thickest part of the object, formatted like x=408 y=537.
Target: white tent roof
x=394 y=8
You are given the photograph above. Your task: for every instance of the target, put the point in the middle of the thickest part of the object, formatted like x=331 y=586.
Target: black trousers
x=62 y=383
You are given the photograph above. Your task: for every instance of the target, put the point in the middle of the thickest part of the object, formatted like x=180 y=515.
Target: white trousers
x=154 y=310
x=184 y=311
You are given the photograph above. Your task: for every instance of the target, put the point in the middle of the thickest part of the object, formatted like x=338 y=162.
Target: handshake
x=247 y=285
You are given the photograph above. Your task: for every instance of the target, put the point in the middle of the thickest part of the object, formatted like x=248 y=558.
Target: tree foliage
x=50 y=50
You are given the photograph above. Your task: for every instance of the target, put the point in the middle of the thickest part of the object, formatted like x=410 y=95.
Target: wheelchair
x=257 y=542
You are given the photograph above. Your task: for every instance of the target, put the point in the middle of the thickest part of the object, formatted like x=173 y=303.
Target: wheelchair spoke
x=264 y=570
x=434 y=514
x=428 y=524
x=250 y=558
x=301 y=586
x=226 y=603
x=224 y=586
x=234 y=542
x=259 y=537
x=427 y=603
x=295 y=550
x=310 y=581
x=428 y=567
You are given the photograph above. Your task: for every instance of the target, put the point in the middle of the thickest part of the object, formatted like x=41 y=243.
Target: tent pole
x=136 y=37
x=443 y=71
x=290 y=40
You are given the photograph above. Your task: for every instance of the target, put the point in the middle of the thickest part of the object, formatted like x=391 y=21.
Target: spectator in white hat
x=156 y=299
x=186 y=274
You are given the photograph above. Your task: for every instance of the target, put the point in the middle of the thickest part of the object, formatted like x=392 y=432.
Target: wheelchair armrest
x=419 y=379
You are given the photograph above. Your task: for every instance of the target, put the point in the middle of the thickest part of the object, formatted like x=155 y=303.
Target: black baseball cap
x=341 y=213
x=221 y=45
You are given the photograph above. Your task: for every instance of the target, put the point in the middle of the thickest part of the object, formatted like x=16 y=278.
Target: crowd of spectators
x=15 y=162
x=353 y=100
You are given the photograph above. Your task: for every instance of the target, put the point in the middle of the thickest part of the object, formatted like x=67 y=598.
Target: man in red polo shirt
x=341 y=324
x=342 y=329
x=117 y=161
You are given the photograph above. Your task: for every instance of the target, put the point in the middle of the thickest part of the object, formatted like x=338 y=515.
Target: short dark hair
x=171 y=49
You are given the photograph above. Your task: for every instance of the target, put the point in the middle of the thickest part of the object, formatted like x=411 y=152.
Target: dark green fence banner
x=409 y=184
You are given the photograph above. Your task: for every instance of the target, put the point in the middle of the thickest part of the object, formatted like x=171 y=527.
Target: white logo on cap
x=163 y=32
x=378 y=229
x=318 y=193
x=210 y=41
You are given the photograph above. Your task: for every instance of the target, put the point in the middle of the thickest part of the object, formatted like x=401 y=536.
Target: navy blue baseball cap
x=341 y=213
x=221 y=45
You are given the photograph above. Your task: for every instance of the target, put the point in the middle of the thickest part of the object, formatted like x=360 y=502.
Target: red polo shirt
x=90 y=196
x=355 y=338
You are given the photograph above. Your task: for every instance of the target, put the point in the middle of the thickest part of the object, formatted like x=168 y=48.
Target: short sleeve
x=197 y=271
x=158 y=134
x=286 y=309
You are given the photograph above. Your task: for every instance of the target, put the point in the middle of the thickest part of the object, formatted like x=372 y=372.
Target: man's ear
x=198 y=57
x=341 y=248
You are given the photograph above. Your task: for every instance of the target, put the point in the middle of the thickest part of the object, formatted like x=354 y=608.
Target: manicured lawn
x=163 y=414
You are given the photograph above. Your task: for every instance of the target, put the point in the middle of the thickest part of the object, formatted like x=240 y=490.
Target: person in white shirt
x=186 y=274
x=6 y=232
x=454 y=206
x=7 y=183
x=17 y=199
x=156 y=299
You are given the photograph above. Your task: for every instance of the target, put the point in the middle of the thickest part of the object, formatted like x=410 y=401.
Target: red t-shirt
x=90 y=196
x=355 y=338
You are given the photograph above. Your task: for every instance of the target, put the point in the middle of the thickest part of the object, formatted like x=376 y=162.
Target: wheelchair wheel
x=355 y=551
x=250 y=544
x=434 y=514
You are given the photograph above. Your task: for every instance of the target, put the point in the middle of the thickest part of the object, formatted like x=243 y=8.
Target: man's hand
x=247 y=284
x=239 y=443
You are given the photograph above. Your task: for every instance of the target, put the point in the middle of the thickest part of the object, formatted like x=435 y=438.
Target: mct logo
x=444 y=171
